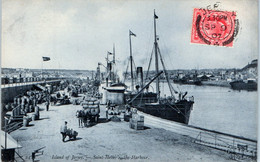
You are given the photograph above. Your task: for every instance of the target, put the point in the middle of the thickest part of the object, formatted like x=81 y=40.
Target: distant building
x=203 y=77
x=180 y=75
x=250 y=70
x=215 y=78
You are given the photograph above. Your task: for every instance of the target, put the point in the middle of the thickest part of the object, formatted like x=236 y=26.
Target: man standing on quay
x=63 y=131
x=47 y=102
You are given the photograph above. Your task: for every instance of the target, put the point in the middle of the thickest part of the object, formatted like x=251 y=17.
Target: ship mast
x=156 y=56
x=131 y=60
x=114 y=63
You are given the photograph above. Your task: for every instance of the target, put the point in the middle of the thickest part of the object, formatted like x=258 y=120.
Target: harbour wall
x=8 y=93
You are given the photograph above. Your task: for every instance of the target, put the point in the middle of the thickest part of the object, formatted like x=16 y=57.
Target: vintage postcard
x=121 y=80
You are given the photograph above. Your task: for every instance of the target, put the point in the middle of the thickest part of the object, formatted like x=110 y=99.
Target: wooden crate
x=137 y=125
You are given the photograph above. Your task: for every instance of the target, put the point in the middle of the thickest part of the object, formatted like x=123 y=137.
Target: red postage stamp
x=214 y=27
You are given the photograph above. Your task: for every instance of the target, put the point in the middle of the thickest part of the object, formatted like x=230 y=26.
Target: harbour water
x=221 y=108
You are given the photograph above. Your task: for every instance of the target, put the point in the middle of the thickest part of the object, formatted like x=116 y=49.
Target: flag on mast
x=131 y=33
x=46 y=58
x=109 y=53
x=155 y=16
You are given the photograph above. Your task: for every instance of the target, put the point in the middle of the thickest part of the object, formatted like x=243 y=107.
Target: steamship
x=172 y=108
x=250 y=85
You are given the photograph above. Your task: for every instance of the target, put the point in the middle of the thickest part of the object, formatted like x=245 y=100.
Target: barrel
x=36 y=109
x=30 y=108
x=85 y=106
x=96 y=103
x=37 y=113
x=93 y=106
x=74 y=102
x=86 y=111
x=25 y=121
x=94 y=111
x=33 y=116
x=26 y=108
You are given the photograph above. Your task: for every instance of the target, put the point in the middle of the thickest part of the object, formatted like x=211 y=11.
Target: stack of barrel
x=136 y=122
x=92 y=104
x=35 y=116
x=91 y=107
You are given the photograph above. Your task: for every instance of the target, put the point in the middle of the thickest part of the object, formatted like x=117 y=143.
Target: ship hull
x=142 y=99
x=243 y=86
x=178 y=112
x=192 y=82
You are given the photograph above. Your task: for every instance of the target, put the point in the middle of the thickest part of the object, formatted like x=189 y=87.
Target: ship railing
x=238 y=148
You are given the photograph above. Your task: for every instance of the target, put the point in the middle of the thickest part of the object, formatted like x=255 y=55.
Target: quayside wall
x=9 y=91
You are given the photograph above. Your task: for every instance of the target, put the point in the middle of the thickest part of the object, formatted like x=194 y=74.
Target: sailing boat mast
x=156 y=56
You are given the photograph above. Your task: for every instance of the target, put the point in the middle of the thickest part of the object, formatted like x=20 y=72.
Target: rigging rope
x=135 y=77
x=149 y=65
x=178 y=110
x=166 y=75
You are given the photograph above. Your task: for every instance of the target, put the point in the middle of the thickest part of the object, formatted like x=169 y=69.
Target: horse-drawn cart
x=90 y=112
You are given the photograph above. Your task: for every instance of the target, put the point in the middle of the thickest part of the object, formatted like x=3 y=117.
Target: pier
x=108 y=140
x=218 y=140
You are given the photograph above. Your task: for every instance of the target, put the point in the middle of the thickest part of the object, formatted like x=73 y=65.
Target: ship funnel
x=139 y=72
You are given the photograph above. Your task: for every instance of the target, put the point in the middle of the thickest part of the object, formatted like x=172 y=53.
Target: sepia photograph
x=129 y=80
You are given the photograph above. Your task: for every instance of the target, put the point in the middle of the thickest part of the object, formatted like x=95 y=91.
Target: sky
x=76 y=34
